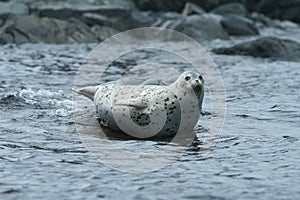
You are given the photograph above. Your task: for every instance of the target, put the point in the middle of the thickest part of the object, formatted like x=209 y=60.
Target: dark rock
x=129 y=21
x=67 y=11
x=19 y=37
x=129 y=4
x=262 y=21
x=103 y=32
x=266 y=47
x=11 y=8
x=199 y=27
x=211 y=4
x=33 y=29
x=230 y=8
x=160 y=5
x=252 y=5
x=286 y=10
x=237 y=25
x=191 y=9
x=6 y=38
x=167 y=18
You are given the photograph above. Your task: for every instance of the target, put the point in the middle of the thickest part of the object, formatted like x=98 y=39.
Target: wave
x=57 y=102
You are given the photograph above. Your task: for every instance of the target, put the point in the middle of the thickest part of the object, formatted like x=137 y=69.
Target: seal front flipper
x=138 y=103
x=88 y=91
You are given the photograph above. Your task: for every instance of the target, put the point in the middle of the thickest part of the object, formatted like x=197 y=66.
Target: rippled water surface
x=42 y=156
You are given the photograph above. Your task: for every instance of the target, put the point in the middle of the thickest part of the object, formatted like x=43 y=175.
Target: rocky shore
x=25 y=21
x=28 y=21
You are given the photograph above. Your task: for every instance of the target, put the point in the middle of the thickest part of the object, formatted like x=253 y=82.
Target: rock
x=191 y=8
x=199 y=27
x=211 y=4
x=103 y=32
x=68 y=11
x=167 y=18
x=286 y=10
x=124 y=22
x=266 y=47
x=237 y=25
x=128 y=4
x=159 y=5
x=33 y=29
x=230 y=8
x=6 y=38
x=252 y=5
x=11 y=8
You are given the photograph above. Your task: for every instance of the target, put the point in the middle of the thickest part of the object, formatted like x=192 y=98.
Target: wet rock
x=123 y=22
x=266 y=47
x=6 y=38
x=129 y=4
x=230 y=8
x=191 y=8
x=252 y=5
x=67 y=11
x=209 y=4
x=103 y=32
x=167 y=18
x=9 y=8
x=33 y=29
x=199 y=27
x=286 y=10
x=237 y=25
x=159 y=5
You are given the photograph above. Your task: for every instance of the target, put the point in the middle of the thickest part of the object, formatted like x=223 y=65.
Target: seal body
x=143 y=103
x=149 y=110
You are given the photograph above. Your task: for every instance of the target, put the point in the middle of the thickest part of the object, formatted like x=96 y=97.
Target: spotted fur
x=143 y=100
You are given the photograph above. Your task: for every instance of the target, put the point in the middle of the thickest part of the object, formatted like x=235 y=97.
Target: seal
x=148 y=110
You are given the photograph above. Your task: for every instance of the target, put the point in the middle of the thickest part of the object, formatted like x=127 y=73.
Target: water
x=42 y=156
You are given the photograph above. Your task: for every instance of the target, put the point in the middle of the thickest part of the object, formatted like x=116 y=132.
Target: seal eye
x=201 y=78
x=187 y=78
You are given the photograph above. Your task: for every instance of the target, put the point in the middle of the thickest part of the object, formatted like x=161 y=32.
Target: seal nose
x=198 y=82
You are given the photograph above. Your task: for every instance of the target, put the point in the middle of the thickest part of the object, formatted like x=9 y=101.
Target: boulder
x=285 y=10
x=124 y=22
x=266 y=47
x=167 y=18
x=211 y=4
x=160 y=5
x=200 y=27
x=103 y=32
x=191 y=9
x=230 y=8
x=11 y=8
x=128 y=4
x=6 y=38
x=252 y=5
x=237 y=25
x=33 y=29
x=75 y=11
x=35 y=4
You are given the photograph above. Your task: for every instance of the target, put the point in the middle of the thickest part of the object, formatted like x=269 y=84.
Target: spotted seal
x=148 y=110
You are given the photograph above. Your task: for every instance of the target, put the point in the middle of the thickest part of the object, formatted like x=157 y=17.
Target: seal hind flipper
x=88 y=91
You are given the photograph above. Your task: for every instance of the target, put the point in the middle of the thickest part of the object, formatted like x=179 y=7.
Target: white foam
x=47 y=100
